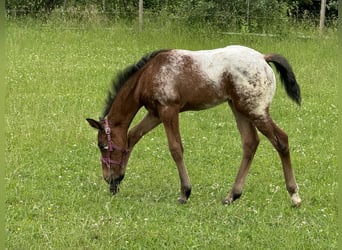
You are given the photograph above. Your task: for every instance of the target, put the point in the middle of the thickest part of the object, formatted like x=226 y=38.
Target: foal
x=168 y=82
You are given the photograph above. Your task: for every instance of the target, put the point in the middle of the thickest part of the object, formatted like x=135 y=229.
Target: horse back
x=201 y=79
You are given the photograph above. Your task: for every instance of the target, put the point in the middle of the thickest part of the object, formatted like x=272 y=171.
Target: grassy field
x=58 y=75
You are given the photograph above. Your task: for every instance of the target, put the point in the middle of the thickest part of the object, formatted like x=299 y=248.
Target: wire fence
x=237 y=24
x=119 y=13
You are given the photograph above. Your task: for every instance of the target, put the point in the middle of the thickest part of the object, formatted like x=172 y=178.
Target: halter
x=111 y=147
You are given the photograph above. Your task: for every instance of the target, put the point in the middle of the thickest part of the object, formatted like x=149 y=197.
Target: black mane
x=123 y=76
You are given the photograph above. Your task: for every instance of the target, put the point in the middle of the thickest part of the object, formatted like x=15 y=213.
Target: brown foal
x=168 y=82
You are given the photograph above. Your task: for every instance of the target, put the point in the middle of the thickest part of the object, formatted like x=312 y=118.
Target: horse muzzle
x=114 y=184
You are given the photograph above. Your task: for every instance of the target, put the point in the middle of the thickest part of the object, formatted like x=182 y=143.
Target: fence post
x=322 y=17
x=140 y=15
x=64 y=9
x=247 y=17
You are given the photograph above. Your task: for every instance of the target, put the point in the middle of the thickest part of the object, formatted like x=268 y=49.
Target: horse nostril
x=111 y=182
x=107 y=179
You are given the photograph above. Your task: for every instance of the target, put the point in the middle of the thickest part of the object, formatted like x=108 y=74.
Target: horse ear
x=94 y=124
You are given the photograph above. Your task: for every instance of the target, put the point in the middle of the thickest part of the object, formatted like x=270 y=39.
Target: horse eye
x=103 y=147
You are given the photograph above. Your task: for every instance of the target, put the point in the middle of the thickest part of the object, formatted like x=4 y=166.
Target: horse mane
x=122 y=76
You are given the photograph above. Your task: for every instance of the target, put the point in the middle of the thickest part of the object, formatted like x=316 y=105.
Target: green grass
x=55 y=195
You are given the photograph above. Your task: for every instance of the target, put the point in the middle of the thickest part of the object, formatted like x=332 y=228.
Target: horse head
x=112 y=156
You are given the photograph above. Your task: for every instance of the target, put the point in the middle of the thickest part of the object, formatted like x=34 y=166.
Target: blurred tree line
x=244 y=13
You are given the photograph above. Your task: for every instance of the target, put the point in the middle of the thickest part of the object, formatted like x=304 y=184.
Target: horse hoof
x=182 y=201
x=227 y=201
x=231 y=197
x=114 y=189
x=296 y=200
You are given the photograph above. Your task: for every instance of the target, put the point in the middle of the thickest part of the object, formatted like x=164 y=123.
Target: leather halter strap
x=111 y=147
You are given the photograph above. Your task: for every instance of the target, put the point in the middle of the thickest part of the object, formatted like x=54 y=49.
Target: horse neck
x=123 y=109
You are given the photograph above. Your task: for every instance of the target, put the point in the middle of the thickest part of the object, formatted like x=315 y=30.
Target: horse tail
x=287 y=76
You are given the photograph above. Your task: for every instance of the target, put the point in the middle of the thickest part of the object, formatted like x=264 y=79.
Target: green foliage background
x=239 y=15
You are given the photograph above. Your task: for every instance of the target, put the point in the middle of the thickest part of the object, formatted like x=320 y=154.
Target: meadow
x=58 y=75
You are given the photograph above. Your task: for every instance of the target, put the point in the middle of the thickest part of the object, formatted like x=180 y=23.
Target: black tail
x=287 y=76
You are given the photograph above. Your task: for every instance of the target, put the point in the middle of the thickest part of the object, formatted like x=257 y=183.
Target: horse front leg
x=148 y=123
x=170 y=118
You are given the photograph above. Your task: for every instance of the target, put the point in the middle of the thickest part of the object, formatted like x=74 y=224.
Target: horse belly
x=202 y=96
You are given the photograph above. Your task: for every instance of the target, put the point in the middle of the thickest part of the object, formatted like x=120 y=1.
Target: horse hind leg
x=279 y=140
x=250 y=142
